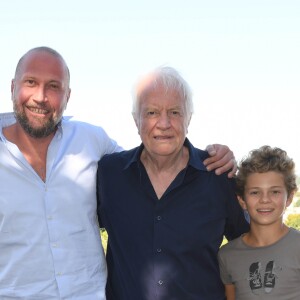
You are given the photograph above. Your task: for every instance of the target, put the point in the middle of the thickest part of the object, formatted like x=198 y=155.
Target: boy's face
x=265 y=198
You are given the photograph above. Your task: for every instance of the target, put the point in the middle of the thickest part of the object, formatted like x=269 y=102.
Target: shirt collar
x=195 y=160
x=135 y=156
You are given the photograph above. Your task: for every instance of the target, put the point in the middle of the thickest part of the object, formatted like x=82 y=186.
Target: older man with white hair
x=164 y=212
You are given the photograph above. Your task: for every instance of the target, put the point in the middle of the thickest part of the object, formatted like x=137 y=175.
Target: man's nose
x=40 y=94
x=164 y=120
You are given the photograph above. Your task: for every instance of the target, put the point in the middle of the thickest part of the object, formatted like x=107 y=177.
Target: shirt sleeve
x=236 y=222
x=98 y=193
x=106 y=144
x=225 y=276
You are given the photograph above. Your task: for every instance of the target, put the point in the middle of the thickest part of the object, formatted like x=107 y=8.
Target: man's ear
x=68 y=97
x=12 y=87
x=136 y=121
x=242 y=203
x=189 y=121
x=69 y=94
x=188 y=124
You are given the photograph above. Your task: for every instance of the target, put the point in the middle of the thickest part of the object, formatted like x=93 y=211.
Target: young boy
x=265 y=262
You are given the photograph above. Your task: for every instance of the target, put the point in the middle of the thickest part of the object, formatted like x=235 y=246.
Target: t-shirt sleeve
x=224 y=274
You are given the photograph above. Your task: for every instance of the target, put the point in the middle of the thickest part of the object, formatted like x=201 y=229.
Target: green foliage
x=224 y=241
x=104 y=238
x=293 y=220
x=297 y=203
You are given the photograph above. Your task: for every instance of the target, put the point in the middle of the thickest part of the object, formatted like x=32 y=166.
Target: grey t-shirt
x=271 y=272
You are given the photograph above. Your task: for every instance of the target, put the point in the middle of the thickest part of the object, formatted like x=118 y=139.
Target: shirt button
x=160 y=282
x=54 y=245
x=49 y=218
x=158 y=218
x=158 y=250
x=59 y=273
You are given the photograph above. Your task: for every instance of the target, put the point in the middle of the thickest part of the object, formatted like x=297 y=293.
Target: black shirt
x=165 y=249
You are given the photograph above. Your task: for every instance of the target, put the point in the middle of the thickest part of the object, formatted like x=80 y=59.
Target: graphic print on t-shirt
x=255 y=280
x=258 y=280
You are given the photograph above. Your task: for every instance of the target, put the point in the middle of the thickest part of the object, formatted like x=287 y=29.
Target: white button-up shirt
x=50 y=247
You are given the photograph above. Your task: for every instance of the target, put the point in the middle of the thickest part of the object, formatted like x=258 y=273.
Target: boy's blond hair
x=263 y=160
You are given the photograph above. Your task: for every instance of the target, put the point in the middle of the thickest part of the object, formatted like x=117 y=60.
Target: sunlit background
x=241 y=58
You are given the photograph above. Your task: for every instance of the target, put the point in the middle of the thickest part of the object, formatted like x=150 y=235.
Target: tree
x=293 y=220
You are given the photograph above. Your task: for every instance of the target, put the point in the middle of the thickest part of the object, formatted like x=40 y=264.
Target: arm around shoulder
x=221 y=160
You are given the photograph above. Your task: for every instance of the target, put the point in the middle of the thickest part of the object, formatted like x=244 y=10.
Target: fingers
x=232 y=173
x=221 y=160
x=220 y=155
x=230 y=167
x=221 y=165
x=211 y=150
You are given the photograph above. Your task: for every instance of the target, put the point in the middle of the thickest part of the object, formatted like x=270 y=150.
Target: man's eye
x=54 y=86
x=30 y=82
x=150 y=113
x=175 y=112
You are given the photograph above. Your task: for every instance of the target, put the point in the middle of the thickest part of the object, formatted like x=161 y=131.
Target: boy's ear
x=289 y=199
x=242 y=203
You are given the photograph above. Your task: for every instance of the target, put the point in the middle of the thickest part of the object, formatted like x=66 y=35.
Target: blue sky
x=240 y=57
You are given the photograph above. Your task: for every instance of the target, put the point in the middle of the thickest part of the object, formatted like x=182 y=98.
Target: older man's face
x=162 y=122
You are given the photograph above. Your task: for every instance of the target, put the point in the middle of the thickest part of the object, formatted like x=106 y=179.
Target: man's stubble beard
x=42 y=131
